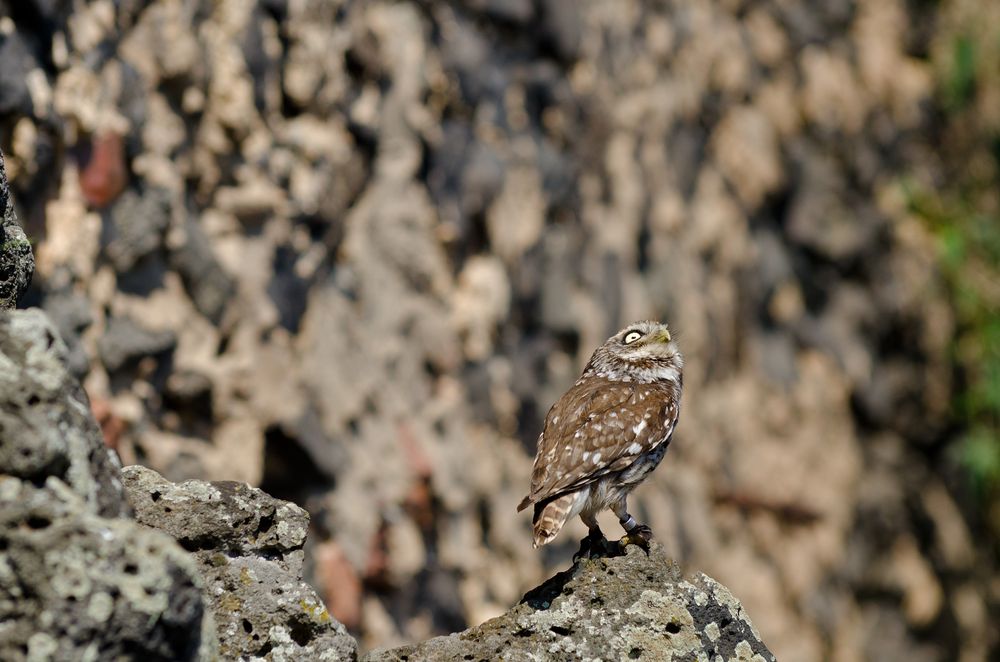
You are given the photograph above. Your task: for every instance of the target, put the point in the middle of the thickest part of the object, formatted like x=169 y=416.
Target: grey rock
x=137 y=227
x=17 y=264
x=209 y=285
x=512 y=11
x=46 y=426
x=563 y=26
x=249 y=548
x=70 y=312
x=54 y=11
x=630 y=607
x=77 y=586
x=15 y=53
x=823 y=216
x=125 y=342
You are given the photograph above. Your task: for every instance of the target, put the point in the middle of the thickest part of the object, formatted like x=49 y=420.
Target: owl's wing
x=597 y=427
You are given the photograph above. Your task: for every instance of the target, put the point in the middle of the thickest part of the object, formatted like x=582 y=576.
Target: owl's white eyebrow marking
x=639 y=427
x=596 y=458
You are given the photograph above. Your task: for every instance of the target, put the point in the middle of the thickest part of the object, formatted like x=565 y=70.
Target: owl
x=606 y=434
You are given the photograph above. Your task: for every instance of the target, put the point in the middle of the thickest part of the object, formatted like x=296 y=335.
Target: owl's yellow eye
x=631 y=337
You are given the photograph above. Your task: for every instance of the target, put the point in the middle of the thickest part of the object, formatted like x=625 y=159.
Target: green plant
x=969 y=249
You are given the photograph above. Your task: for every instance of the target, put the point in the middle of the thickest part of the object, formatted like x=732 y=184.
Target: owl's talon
x=592 y=545
x=640 y=535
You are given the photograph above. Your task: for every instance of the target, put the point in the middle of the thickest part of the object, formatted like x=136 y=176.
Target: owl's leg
x=635 y=533
x=595 y=543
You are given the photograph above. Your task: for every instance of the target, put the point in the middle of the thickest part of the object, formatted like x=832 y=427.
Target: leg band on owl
x=628 y=523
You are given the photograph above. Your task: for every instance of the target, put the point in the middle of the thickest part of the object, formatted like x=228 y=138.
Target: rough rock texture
x=78 y=586
x=17 y=262
x=46 y=426
x=222 y=575
x=397 y=229
x=79 y=580
x=125 y=342
x=248 y=546
x=631 y=607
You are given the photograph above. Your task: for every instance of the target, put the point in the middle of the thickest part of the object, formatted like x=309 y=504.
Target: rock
x=634 y=607
x=105 y=175
x=46 y=426
x=17 y=263
x=288 y=291
x=208 y=284
x=18 y=60
x=249 y=549
x=71 y=314
x=137 y=227
x=125 y=342
x=77 y=586
x=730 y=167
x=52 y=11
x=78 y=579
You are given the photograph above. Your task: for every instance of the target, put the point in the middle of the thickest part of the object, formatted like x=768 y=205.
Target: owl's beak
x=664 y=336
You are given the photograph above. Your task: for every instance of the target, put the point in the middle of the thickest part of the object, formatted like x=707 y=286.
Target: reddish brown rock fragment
x=105 y=175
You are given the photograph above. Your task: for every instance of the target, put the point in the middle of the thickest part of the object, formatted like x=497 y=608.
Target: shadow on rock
x=635 y=606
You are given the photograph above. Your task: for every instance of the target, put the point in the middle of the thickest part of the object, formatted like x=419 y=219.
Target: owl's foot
x=593 y=546
x=640 y=535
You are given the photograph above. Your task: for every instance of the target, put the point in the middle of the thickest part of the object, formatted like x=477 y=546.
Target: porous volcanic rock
x=78 y=579
x=46 y=426
x=249 y=549
x=636 y=606
x=77 y=586
x=17 y=263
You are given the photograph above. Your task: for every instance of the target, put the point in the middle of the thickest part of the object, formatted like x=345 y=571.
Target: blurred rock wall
x=352 y=252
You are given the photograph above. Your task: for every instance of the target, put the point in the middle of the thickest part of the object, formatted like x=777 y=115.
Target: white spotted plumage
x=605 y=434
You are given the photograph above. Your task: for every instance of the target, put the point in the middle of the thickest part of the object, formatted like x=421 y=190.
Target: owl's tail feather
x=550 y=517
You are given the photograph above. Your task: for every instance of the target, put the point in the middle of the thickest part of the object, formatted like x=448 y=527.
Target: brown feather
x=608 y=431
x=606 y=415
x=550 y=517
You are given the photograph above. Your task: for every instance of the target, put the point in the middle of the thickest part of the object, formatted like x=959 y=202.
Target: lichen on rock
x=636 y=606
x=17 y=263
x=46 y=426
x=248 y=546
x=85 y=574
x=75 y=585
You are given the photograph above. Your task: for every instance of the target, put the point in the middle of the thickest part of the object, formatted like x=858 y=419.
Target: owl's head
x=643 y=351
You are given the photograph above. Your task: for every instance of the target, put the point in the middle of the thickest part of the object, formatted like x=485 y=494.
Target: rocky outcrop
x=99 y=562
x=636 y=606
x=81 y=579
x=248 y=547
x=77 y=586
x=17 y=262
x=78 y=578
x=215 y=569
x=46 y=426
x=352 y=251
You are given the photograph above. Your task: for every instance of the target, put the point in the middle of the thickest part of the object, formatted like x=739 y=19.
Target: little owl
x=606 y=433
